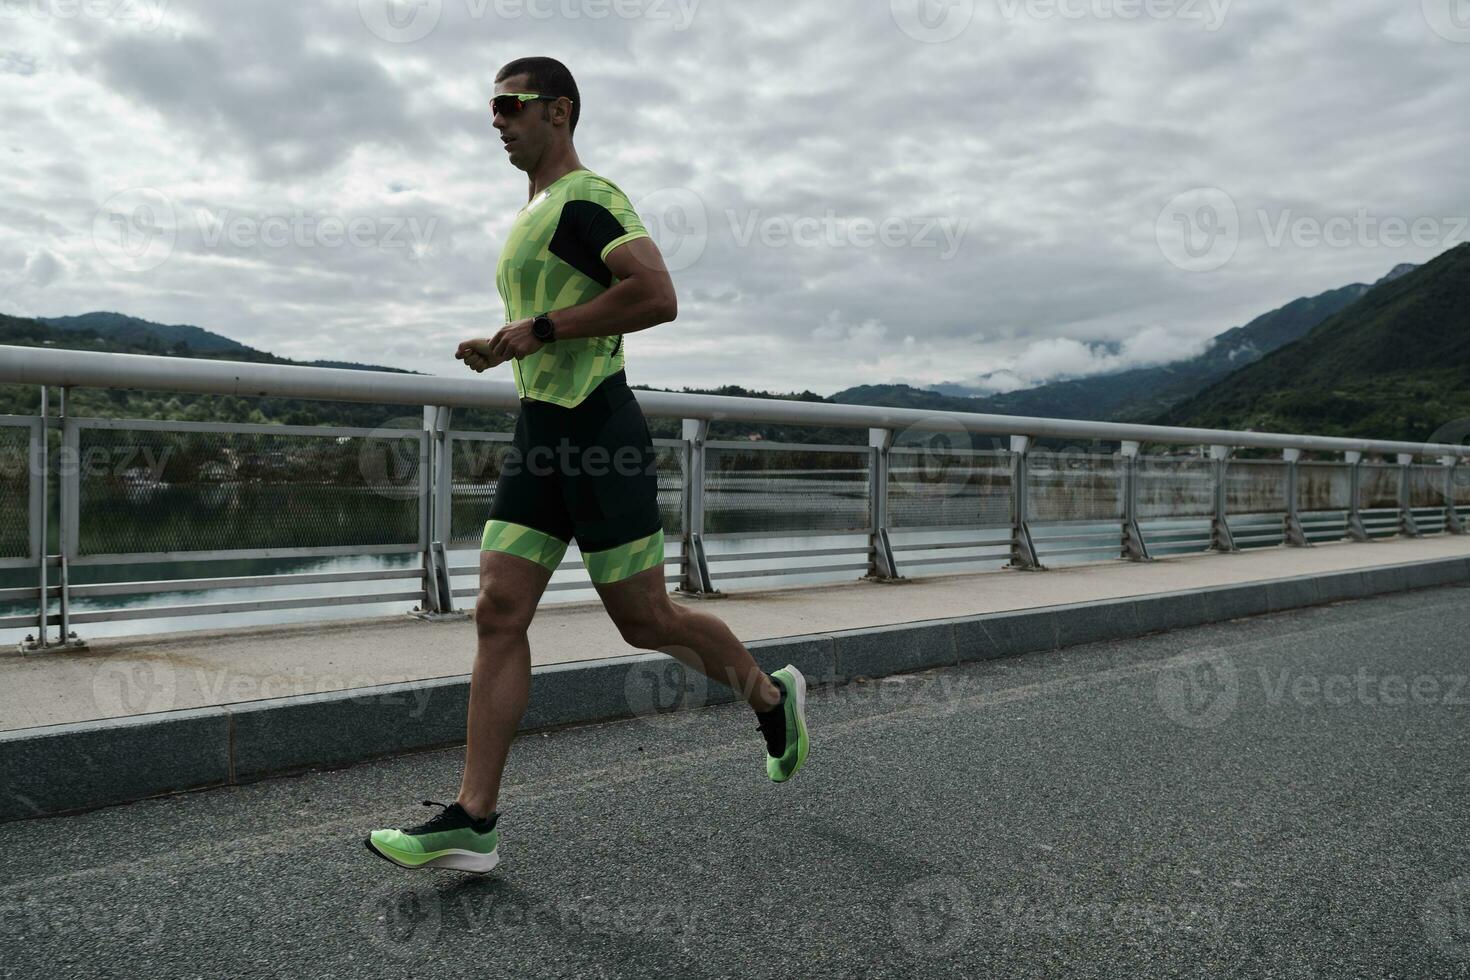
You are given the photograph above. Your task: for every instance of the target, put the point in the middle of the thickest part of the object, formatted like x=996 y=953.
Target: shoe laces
x=439 y=821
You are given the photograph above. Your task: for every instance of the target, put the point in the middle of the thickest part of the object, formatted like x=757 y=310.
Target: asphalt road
x=1284 y=796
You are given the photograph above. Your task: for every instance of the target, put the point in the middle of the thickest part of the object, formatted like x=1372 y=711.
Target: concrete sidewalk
x=137 y=675
x=254 y=717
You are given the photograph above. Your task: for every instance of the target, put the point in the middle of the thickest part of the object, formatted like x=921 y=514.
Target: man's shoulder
x=587 y=185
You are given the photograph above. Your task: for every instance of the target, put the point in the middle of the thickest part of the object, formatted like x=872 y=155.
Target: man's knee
x=498 y=611
x=646 y=630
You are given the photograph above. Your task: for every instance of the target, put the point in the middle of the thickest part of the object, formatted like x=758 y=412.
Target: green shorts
x=588 y=473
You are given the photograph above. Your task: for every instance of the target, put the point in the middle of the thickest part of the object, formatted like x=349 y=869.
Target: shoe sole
x=803 y=742
x=454 y=859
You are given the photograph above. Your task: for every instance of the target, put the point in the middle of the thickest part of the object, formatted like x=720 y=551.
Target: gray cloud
x=1049 y=147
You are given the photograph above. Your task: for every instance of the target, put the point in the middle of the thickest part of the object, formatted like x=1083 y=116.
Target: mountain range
x=1388 y=360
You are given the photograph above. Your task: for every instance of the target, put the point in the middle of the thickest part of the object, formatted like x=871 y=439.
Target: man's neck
x=552 y=169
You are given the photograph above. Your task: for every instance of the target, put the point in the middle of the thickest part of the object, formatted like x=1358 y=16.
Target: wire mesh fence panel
x=1324 y=487
x=1170 y=487
x=476 y=462
x=1255 y=486
x=148 y=491
x=1427 y=485
x=475 y=465
x=934 y=488
x=764 y=490
x=1460 y=484
x=1074 y=488
x=1378 y=486
x=15 y=491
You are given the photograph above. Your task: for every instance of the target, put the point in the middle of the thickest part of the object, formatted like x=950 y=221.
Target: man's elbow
x=665 y=306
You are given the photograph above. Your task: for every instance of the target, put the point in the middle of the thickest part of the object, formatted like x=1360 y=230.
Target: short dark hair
x=548 y=77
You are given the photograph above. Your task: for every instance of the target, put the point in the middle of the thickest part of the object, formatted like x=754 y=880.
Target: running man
x=578 y=271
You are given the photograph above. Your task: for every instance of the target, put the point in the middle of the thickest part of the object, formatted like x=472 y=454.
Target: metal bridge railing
x=918 y=496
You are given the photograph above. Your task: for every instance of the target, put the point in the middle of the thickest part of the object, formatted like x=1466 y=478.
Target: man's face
x=527 y=133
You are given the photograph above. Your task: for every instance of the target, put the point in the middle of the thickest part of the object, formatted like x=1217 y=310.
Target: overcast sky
x=920 y=191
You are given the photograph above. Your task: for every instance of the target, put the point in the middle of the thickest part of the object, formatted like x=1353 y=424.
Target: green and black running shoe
x=784 y=726
x=450 y=839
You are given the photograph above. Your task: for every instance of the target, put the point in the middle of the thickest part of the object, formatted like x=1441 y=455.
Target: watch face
x=542 y=328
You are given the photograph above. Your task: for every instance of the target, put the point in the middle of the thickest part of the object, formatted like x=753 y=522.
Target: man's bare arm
x=642 y=297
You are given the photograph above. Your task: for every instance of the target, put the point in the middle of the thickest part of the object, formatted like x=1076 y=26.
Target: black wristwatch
x=543 y=330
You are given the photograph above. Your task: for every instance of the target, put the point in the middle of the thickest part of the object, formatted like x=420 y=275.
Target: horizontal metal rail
x=92 y=369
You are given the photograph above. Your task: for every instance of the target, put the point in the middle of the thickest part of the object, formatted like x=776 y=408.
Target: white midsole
x=456 y=859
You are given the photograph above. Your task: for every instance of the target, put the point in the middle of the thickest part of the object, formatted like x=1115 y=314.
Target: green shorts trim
x=616 y=564
x=517 y=539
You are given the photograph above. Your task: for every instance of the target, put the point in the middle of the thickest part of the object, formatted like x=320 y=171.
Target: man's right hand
x=476 y=354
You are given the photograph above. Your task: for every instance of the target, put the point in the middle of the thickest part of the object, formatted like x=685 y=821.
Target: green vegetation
x=1394 y=365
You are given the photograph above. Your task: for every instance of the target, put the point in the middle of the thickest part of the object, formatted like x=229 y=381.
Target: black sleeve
x=583 y=231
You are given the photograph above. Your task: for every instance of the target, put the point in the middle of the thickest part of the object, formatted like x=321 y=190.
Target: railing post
x=1452 y=522
x=1220 y=536
x=69 y=484
x=1355 y=529
x=1295 y=534
x=1134 y=547
x=1408 y=527
x=1023 y=549
x=695 y=581
x=40 y=507
x=434 y=489
x=881 y=565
